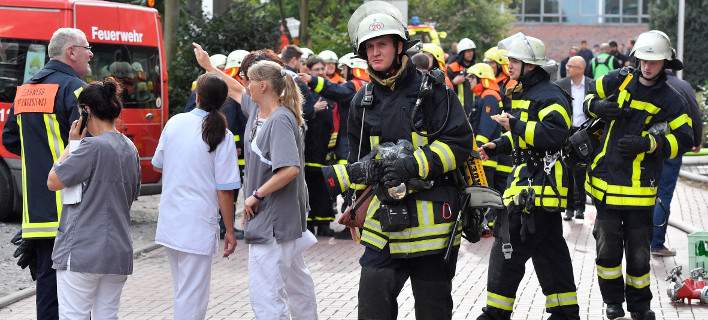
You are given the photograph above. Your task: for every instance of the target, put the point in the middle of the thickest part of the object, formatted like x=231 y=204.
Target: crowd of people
x=389 y=129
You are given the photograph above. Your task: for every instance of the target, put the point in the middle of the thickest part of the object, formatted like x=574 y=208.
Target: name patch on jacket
x=37 y=98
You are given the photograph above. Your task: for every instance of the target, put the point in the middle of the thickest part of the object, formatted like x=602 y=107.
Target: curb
x=693 y=176
x=30 y=291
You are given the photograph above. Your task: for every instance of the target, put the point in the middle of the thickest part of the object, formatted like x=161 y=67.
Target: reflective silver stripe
x=609 y=273
x=638 y=282
x=373 y=239
x=561 y=299
x=439 y=229
x=46 y=229
x=418 y=246
x=342 y=176
x=499 y=301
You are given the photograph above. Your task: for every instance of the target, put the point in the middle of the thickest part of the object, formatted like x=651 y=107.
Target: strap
x=503 y=225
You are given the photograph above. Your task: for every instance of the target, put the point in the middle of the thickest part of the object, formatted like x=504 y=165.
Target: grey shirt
x=96 y=231
x=278 y=143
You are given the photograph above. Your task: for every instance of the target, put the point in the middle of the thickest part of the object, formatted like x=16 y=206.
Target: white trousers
x=279 y=283
x=88 y=295
x=191 y=277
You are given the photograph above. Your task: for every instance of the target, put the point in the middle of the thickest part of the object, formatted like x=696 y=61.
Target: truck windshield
x=136 y=67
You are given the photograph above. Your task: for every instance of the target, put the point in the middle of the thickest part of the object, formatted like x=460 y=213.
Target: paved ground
x=148 y=292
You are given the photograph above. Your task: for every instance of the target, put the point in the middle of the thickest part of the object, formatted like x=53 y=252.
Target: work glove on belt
x=630 y=146
x=399 y=171
x=606 y=109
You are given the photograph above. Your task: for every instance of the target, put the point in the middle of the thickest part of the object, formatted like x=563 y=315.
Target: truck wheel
x=7 y=194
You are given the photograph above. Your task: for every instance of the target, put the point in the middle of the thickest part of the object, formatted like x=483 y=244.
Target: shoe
x=614 y=311
x=568 y=215
x=663 y=251
x=643 y=315
x=580 y=214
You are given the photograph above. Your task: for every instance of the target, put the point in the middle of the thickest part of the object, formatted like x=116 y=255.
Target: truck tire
x=7 y=194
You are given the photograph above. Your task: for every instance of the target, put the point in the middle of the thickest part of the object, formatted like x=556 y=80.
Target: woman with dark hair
x=197 y=157
x=93 y=252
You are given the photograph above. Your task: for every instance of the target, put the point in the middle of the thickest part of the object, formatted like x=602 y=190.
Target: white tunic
x=191 y=176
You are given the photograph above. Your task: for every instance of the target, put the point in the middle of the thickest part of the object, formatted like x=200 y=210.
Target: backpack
x=602 y=65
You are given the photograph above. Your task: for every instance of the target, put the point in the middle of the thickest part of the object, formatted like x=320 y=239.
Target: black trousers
x=383 y=278
x=47 y=303
x=618 y=232
x=576 y=186
x=321 y=205
x=551 y=260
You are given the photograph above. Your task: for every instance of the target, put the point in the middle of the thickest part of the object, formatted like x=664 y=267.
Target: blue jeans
x=667 y=184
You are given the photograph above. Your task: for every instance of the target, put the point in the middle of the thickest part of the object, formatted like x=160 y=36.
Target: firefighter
x=485 y=88
x=437 y=57
x=381 y=113
x=354 y=70
x=219 y=61
x=39 y=133
x=496 y=58
x=645 y=122
x=330 y=59
x=535 y=194
x=456 y=72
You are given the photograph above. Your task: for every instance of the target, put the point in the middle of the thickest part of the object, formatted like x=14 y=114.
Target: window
x=19 y=61
x=581 y=11
x=136 y=67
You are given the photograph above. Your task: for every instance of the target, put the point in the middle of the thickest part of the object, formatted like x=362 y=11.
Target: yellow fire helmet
x=436 y=52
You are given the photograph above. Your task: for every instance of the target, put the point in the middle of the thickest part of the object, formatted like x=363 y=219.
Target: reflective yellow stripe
x=371 y=223
x=609 y=273
x=508 y=136
x=373 y=142
x=314 y=165
x=310 y=218
x=356 y=186
x=56 y=146
x=599 y=88
x=482 y=139
x=604 y=146
x=78 y=91
x=461 y=93
x=520 y=104
x=638 y=282
x=489 y=163
x=418 y=140
x=342 y=176
x=645 y=106
x=241 y=162
x=422 y=160
x=621 y=190
x=630 y=201
x=237 y=138
x=421 y=246
x=319 y=84
x=680 y=120
x=529 y=132
x=25 y=210
x=332 y=140
x=445 y=154
x=673 y=144
x=503 y=168
x=586 y=102
x=500 y=302
x=557 y=108
x=373 y=239
x=561 y=299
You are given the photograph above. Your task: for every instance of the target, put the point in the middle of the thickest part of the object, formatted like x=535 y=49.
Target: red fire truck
x=127 y=44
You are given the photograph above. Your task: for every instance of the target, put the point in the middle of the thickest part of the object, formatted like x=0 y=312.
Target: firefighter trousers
x=551 y=260
x=431 y=281
x=618 y=232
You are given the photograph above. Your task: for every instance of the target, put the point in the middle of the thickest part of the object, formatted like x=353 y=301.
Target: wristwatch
x=257 y=195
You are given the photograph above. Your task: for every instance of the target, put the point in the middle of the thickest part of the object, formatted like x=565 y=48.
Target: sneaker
x=568 y=215
x=614 y=311
x=663 y=251
x=580 y=214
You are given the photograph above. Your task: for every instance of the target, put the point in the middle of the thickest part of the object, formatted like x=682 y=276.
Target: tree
x=664 y=17
x=480 y=20
x=246 y=26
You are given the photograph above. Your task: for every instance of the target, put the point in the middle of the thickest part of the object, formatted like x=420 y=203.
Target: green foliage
x=664 y=17
x=245 y=26
x=479 y=20
x=702 y=97
x=328 y=25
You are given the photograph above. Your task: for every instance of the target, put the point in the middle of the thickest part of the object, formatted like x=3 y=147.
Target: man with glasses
x=577 y=85
x=38 y=130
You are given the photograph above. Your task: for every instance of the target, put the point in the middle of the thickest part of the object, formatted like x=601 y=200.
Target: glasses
x=85 y=47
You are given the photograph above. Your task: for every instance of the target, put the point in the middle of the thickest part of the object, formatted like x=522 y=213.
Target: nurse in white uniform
x=197 y=157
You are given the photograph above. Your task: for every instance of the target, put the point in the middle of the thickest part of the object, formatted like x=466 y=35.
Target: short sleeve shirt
x=274 y=144
x=191 y=177
x=96 y=231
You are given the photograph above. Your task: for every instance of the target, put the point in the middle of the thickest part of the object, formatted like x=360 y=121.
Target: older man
x=39 y=132
x=577 y=85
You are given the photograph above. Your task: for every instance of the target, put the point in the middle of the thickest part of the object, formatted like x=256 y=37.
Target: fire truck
x=126 y=41
x=425 y=32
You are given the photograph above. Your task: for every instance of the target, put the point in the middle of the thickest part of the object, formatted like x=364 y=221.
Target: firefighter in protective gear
x=233 y=63
x=306 y=54
x=456 y=71
x=38 y=132
x=381 y=113
x=497 y=59
x=536 y=131
x=438 y=58
x=331 y=60
x=622 y=178
x=218 y=60
x=354 y=70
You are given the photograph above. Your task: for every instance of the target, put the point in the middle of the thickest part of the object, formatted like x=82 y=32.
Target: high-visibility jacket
x=40 y=137
x=343 y=94
x=489 y=104
x=621 y=182
x=540 y=125
x=388 y=120
x=337 y=78
x=463 y=89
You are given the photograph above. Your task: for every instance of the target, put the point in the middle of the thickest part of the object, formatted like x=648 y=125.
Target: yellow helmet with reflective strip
x=496 y=55
x=482 y=71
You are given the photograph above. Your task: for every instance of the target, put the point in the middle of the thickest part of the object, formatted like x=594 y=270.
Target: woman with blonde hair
x=279 y=282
